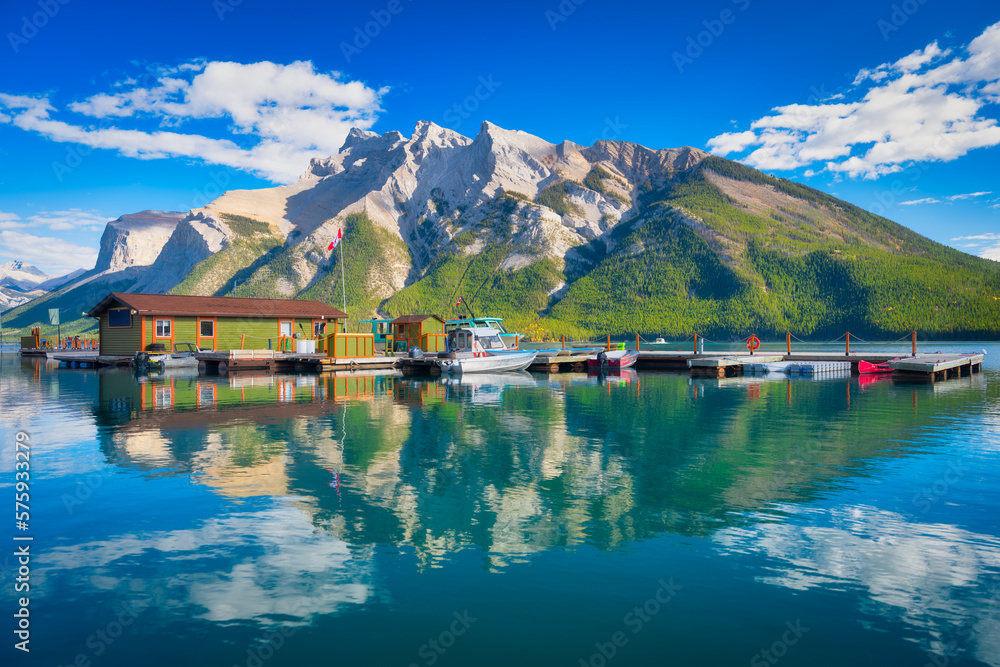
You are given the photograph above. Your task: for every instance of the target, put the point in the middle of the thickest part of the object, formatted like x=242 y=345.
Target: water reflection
x=519 y=463
x=939 y=579
x=278 y=568
x=291 y=491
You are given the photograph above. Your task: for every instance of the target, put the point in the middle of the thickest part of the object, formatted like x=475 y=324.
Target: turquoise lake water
x=647 y=519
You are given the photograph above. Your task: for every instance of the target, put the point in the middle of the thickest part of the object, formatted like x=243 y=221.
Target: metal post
x=343 y=280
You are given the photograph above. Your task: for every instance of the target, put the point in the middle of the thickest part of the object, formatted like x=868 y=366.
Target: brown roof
x=224 y=306
x=413 y=319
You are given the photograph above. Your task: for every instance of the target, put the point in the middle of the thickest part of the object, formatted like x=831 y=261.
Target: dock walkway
x=932 y=367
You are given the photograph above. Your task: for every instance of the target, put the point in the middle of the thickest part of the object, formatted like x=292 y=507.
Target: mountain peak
x=18 y=265
x=356 y=136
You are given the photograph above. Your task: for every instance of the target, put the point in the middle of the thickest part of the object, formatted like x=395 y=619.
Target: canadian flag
x=459 y=302
x=333 y=243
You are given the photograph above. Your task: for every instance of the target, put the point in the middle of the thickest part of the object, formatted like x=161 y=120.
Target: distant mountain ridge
x=614 y=238
x=20 y=283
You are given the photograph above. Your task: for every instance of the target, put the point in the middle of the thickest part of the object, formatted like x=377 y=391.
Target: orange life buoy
x=753 y=343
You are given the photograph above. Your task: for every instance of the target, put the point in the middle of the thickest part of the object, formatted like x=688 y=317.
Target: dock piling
x=696 y=343
x=788 y=342
x=848 y=339
x=914 y=337
x=637 y=342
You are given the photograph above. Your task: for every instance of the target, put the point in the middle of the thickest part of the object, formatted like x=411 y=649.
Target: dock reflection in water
x=366 y=510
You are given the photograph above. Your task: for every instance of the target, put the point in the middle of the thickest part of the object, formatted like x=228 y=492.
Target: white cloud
x=731 y=142
x=984 y=245
x=72 y=219
x=992 y=252
x=978 y=237
x=968 y=195
x=55 y=256
x=925 y=200
x=923 y=107
x=918 y=58
x=290 y=113
x=11 y=221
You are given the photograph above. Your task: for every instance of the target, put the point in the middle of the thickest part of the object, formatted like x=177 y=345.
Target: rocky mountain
x=129 y=247
x=20 y=283
x=21 y=276
x=614 y=237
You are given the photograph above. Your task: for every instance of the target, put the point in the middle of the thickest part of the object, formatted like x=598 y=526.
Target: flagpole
x=343 y=280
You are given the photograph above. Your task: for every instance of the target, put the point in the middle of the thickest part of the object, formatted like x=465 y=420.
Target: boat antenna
x=468 y=308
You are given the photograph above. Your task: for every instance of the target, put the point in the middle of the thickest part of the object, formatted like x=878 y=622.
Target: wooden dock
x=556 y=361
x=936 y=367
x=720 y=367
x=86 y=359
x=271 y=361
x=923 y=367
x=324 y=364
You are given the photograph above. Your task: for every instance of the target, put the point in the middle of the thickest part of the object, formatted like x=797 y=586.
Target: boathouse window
x=285 y=327
x=120 y=318
x=206 y=328
x=319 y=329
x=163 y=328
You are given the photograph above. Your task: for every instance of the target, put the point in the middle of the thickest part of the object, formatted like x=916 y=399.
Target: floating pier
x=936 y=367
x=555 y=361
x=269 y=360
x=720 y=367
x=923 y=367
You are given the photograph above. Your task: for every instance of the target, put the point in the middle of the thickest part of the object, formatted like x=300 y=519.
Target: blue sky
x=109 y=108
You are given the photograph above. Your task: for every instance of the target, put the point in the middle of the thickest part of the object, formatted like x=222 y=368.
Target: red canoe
x=865 y=368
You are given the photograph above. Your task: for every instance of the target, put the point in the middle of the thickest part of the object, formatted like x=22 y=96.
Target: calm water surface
x=528 y=519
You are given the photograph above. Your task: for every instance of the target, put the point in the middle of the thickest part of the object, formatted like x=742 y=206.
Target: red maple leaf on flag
x=333 y=243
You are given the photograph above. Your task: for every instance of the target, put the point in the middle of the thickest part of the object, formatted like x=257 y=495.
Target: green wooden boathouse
x=133 y=322
x=423 y=331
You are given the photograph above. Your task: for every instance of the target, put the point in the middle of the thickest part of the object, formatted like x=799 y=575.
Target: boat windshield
x=492 y=343
x=478 y=323
x=492 y=324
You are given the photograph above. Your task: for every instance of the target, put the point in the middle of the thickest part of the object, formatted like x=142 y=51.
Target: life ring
x=753 y=343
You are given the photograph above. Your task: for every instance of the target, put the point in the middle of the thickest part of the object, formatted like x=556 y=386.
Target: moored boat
x=613 y=359
x=183 y=356
x=510 y=338
x=481 y=350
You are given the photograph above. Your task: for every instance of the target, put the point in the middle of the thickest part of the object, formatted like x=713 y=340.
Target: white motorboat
x=481 y=350
x=183 y=356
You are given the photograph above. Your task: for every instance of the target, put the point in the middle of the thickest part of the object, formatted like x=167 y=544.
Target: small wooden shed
x=133 y=322
x=423 y=331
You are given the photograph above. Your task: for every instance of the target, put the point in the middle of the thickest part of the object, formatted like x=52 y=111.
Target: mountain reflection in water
x=257 y=501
